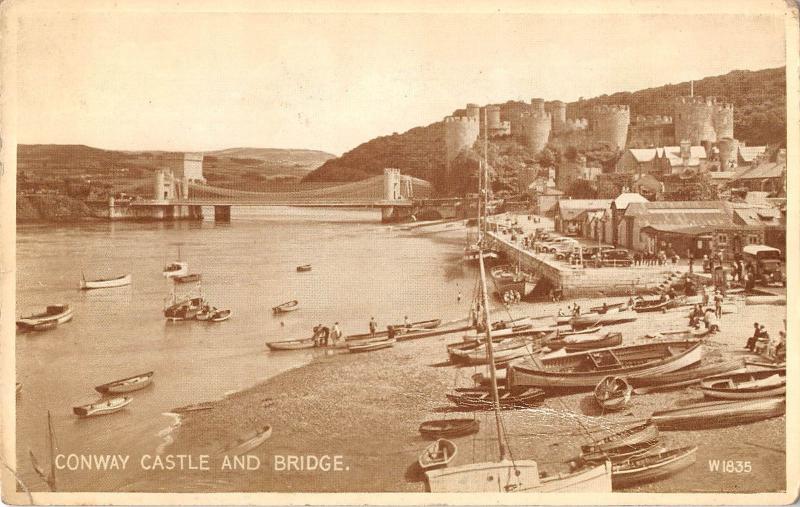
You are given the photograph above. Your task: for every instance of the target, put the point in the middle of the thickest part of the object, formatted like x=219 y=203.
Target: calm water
x=360 y=268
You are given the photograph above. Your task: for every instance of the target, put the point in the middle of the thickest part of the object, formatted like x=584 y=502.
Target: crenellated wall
x=460 y=133
x=694 y=119
x=536 y=127
x=609 y=124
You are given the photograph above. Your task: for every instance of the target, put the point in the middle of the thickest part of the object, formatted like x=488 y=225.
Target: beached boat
x=449 y=428
x=505 y=351
x=680 y=334
x=303 y=343
x=422 y=324
x=649 y=305
x=438 y=454
x=286 y=307
x=50 y=318
x=687 y=376
x=626 y=440
x=512 y=285
x=176 y=268
x=127 y=384
x=371 y=345
x=248 y=442
x=304 y=268
x=482 y=398
x=716 y=414
x=612 y=316
x=586 y=369
x=745 y=386
x=606 y=307
x=498 y=335
x=106 y=283
x=220 y=316
x=652 y=467
x=193 y=277
x=613 y=393
x=588 y=341
x=103 y=407
x=621 y=454
x=194 y=407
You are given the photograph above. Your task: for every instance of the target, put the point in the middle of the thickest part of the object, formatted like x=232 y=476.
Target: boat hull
x=370 y=346
x=652 y=468
x=126 y=385
x=106 y=284
x=55 y=315
x=98 y=409
x=719 y=414
x=613 y=316
x=449 y=428
x=307 y=343
x=250 y=443
x=438 y=454
x=746 y=386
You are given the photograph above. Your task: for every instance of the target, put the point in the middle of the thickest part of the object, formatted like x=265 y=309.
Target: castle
x=699 y=120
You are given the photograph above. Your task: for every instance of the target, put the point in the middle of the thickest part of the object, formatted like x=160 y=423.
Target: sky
x=205 y=81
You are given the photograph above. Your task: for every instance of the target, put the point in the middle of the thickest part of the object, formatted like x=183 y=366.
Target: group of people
x=325 y=336
x=709 y=317
x=761 y=343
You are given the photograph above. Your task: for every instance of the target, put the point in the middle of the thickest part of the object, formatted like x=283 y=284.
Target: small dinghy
x=50 y=318
x=652 y=467
x=449 y=428
x=304 y=343
x=106 y=283
x=746 y=386
x=205 y=313
x=482 y=399
x=286 y=307
x=304 y=268
x=194 y=277
x=220 y=316
x=102 y=408
x=248 y=442
x=437 y=455
x=185 y=310
x=371 y=345
x=613 y=393
x=126 y=385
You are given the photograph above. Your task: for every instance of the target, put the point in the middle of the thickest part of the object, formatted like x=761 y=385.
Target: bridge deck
x=317 y=203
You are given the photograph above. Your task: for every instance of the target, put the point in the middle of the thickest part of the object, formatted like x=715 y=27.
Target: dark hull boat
x=584 y=370
x=194 y=277
x=304 y=268
x=746 y=386
x=126 y=385
x=512 y=285
x=416 y=326
x=482 y=399
x=717 y=414
x=185 y=310
x=449 y=428
x=643 y=305
x=621 y=454
x=628 y=440
x=652 y=467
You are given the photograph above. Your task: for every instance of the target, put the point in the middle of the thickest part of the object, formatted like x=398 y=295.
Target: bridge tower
x=393 y=190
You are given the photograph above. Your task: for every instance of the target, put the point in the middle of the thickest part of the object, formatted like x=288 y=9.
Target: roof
x=672 y=152
x=756 y=249
x=569 y=209
x=758 y=216
x=681 y=215
x=749 y=153
x=763 y=171
x=624 y=199
x=722 y=175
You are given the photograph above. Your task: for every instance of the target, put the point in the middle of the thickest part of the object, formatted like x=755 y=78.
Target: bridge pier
x=392 y=214
x=222 y=213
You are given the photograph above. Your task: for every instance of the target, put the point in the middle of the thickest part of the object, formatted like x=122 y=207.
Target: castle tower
x=558 y=111
x=609 y=124
x=460 y=133
x=537 y=106
x=693 y=118
x=728 y=153
x=536 y=127
x=493 y=118
x=723 y=120
x=473 y=111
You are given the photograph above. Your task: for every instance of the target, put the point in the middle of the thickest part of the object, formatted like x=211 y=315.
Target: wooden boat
x=449 y=428
x=103 y=407
x=126 y=385
x=746 y=385
x=586 y=369
x=248 y=442
x=500 y=334
x=286 y=307
x=505 y=351
x=681 y=334
x=184 y=310
x=604 y=309
x=304 y=343
x=588 y=341
x=304 y=268
x=371 y=345
x=621 y=441
x=51 y=317
x=620 y=454
x=220 y=316
x=518 y=324
x=176 y=268
x=716 y=414
x=194 y=407
x=612 y=316
x=423 y=324
x=205 y=313
x=106 y=283
x=482 y=398
x=681 y=378
x=648 y=305
x=512 y=284
x=193 y=277
x=438 y=454
x=652 y=467
x=613 y=393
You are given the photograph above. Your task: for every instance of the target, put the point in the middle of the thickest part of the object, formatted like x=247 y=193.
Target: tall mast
x=51 y=438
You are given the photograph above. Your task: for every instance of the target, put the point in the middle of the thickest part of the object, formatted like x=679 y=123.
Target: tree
x=581 y=189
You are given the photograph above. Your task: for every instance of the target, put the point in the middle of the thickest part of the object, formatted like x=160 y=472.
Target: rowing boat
x=746 y=385
x=248 y=442
x=51 y=317
x=422 y=324
x=304 y=268
x=504 y=351
x=286 y=307
x=126 y=385
x=220 y=315
x=441 y=428
x=303 y=343
x=612 y=316
x=371 y=345
x=652 y=467
x=102 y=408
x=106 y=283
x=437 y=454
x=613 y=393
x=621 y=454
x=585 y=369
x=482 y=398
x=176 y=268
x=588 y=341
x=194 y=277
x=687 y=376
x=716 y=414
x=620 y=441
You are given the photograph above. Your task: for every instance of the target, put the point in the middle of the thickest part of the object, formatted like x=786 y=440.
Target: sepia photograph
x=421 y=253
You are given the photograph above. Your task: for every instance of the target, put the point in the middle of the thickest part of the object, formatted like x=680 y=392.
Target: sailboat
x=509 y=475
x=49 y=477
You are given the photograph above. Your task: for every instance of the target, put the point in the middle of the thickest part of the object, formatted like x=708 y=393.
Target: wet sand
x=367 y=407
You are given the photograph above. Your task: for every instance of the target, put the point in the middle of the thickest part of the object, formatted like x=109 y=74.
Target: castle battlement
x=707 y=101
x=652 y=119
x=461 y=119
x=612 y=109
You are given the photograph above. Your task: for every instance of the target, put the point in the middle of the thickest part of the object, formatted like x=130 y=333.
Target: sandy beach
x=366 y=408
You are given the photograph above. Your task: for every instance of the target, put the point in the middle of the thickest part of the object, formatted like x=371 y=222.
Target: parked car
x=615 y=257
x=566 y=250
x=560 y=244
x=592 y=251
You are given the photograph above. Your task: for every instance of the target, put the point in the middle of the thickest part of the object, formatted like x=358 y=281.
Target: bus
x=766 y=262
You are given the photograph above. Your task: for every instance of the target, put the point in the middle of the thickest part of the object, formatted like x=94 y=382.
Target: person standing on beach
x=718 y=304
x=336 y=333
x=373 y=326
x=459 y=295
x=406 y=323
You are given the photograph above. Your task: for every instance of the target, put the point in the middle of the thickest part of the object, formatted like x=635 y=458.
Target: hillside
x=759 y=99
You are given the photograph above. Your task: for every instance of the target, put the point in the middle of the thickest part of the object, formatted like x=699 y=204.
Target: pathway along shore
x=366 y=408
